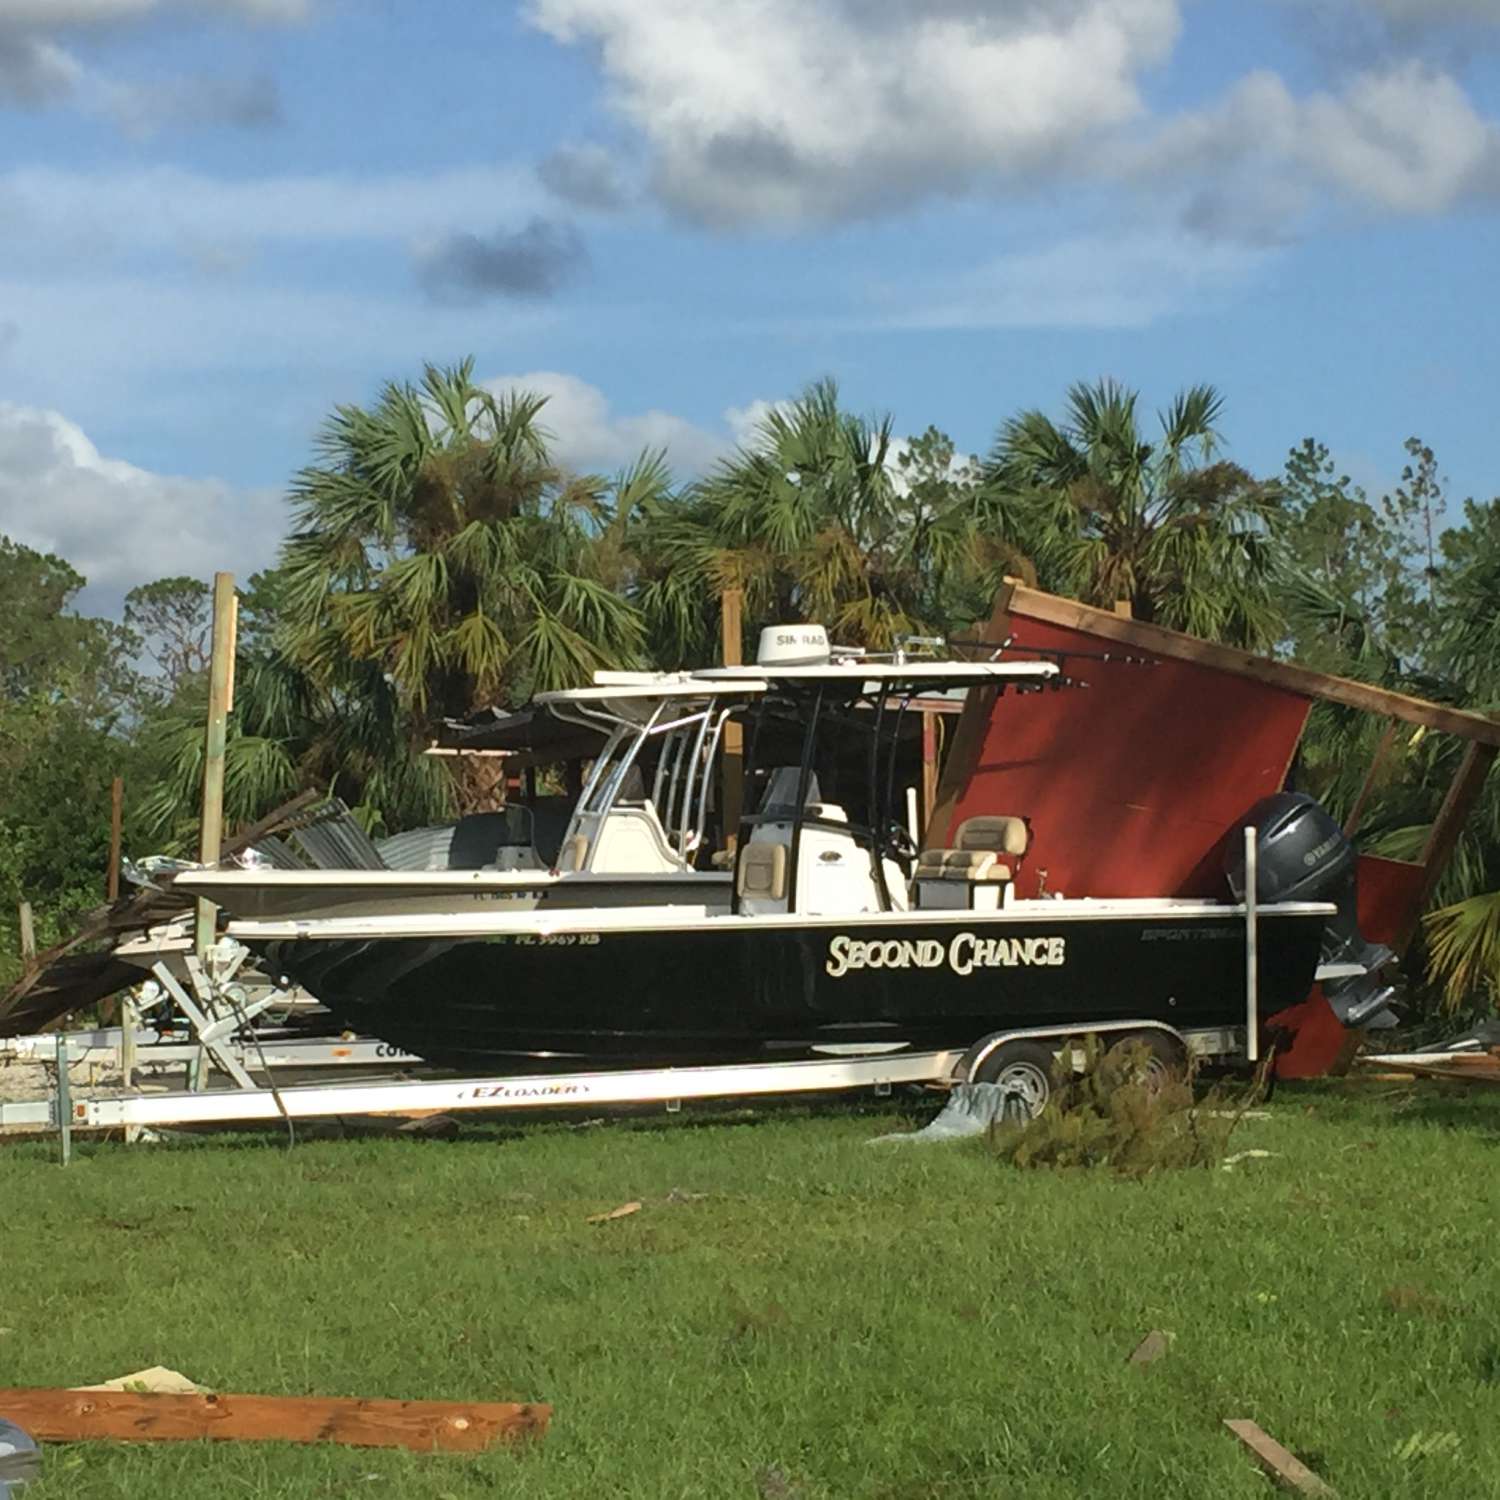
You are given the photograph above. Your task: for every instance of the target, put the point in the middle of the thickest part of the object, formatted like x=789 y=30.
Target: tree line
x=439 y=558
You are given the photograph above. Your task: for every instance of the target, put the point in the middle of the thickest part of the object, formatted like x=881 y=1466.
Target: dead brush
x=1117 y=1111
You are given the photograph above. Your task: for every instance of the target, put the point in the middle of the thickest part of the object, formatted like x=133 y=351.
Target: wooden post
x=220 y=704
x=929 y=768
x=732 y=627
x=28 y=933
x=1463 y=793
x=116 y=814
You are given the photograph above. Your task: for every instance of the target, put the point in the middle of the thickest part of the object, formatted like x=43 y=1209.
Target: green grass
x=832 y=1320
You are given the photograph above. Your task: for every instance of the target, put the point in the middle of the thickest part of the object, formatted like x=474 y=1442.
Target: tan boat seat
x=988 y=851
x=1000 y=834
x=761 y=874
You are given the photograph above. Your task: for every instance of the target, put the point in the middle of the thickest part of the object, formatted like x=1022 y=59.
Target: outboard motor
x=1303 y=855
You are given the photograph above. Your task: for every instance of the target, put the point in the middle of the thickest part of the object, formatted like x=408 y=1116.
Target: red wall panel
x=1132 y=784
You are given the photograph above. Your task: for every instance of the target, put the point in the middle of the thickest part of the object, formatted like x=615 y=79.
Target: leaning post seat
x=977 y=874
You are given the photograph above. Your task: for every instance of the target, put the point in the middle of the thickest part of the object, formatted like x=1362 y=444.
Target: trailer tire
x=1029 y=1069
x=1166 y=1059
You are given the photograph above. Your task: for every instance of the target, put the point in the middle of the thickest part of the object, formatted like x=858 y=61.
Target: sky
x=219 y=218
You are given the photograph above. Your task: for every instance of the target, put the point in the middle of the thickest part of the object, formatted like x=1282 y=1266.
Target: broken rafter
x=1033 y=604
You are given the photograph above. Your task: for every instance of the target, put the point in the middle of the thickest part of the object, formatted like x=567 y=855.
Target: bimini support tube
x=1252 y=955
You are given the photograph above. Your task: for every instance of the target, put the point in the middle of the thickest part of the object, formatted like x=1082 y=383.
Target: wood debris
x=622 y=1212
x=145 y=1416
x=1282 y=1465
x=1461 y=1067
x=1151 y=1348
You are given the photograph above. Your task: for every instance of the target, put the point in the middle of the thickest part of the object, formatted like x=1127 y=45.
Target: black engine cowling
x=1302 y=854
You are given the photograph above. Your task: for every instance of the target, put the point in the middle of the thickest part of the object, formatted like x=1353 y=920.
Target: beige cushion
x=1001 y=835
x=762 y=872
x=974 y=864
x=573 y=853
x=961 y=864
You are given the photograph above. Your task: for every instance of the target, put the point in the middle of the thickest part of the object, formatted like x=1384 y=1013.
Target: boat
x=840 y=937
x=623 y=842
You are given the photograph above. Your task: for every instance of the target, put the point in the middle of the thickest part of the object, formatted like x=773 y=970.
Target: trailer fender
x=973 y=1059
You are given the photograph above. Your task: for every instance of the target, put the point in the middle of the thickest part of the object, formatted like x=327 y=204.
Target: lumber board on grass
x=1283 y=1466
x=61 y=1416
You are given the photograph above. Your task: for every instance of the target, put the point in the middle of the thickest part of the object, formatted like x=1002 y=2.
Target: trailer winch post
x=1252 y=954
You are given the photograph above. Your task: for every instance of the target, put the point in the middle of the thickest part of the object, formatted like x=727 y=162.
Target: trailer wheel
x=1027 y=1069
x=1164 y=1062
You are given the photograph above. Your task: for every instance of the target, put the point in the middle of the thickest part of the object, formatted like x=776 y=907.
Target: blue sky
x=219 y=217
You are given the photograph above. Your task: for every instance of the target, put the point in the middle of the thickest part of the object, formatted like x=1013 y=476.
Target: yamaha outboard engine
x=1302 y=855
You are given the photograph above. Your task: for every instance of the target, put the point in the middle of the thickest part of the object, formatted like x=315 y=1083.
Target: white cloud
x=1430 y=12
x=1406 y=139
x=36 y=69
x=1125 y=280
x=592 y=437
x=120 y=525
x=779 y=111
x=113 y=343
x=1402 y=139
x=68 y=15
x=171 y=208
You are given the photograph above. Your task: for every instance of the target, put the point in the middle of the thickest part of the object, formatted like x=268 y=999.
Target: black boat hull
x=730 y=991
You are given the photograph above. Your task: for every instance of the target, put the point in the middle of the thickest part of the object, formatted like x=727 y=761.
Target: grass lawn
x=831 y=1320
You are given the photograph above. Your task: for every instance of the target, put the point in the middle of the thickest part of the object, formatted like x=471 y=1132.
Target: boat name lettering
x=556 y=939
x=963 y=954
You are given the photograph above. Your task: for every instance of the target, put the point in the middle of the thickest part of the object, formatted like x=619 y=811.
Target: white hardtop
x=638 y=697
x=631 y=687
x=958 y=673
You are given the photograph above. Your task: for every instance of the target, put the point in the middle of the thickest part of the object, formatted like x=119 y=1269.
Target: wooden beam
x=116 y=814
x=968 y=736
x=732 y=632
x=1033 y=604
x=220 y=705
x=134 y=1416
x=28 y=933
x=929 y=766
x=1442 y=837
x=1282 y=1465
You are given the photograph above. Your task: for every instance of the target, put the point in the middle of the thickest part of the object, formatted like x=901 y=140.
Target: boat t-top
x=639 y=834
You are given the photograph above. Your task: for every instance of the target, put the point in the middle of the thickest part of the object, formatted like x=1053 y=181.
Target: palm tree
x=287 y=732
x=1463 y=934
x=439 y=542
x=814 y=519
x=1104 y=515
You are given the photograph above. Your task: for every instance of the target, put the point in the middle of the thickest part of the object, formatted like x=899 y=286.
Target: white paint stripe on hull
x=669 y=919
